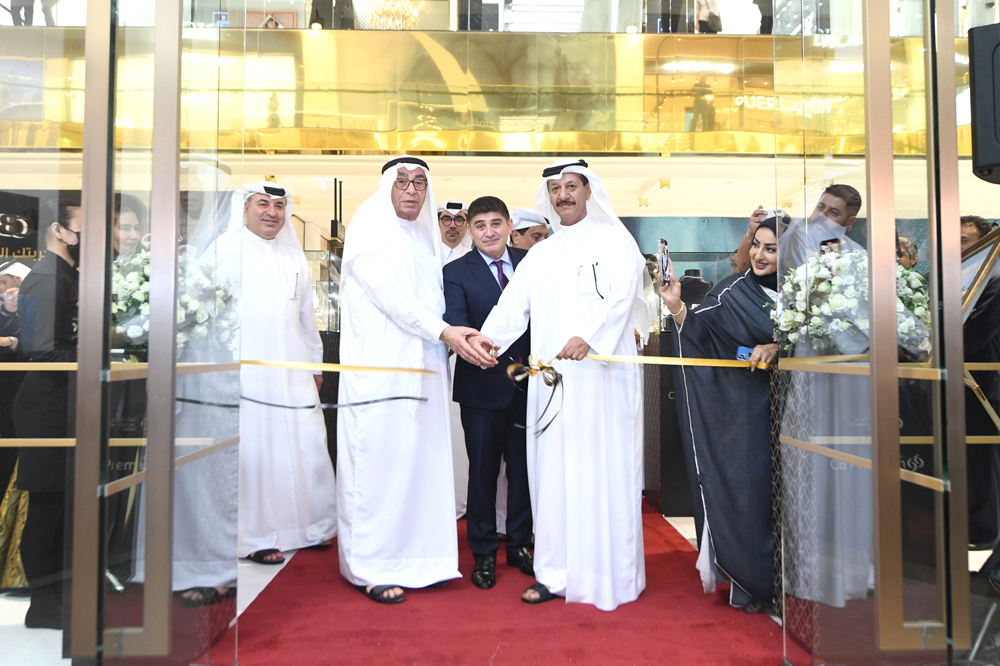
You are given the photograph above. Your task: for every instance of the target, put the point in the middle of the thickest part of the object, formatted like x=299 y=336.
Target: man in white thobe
x=452 y=220
x=582 y=291
x=287 y=493
x=395 y=476
x=456 y=242
x=530 y=228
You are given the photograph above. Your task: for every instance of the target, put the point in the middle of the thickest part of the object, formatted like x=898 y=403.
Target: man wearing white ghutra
x=287 y=498
x=582 y=291
x=396 y=501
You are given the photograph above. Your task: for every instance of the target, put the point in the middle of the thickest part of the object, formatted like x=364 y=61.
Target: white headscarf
x=15 y=268
x=371 y=222
x=598 y=206
x=208 y=178
x=598 y=209
x=286 y=235
x=452 y=205
x=525 y=218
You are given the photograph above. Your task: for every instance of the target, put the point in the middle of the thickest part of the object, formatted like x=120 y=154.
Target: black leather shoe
x=484 y=576
x=522 y=559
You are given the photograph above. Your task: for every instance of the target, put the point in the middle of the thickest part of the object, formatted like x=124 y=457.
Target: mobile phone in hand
x=743 y=353
x=829 y=245
x=663 y=255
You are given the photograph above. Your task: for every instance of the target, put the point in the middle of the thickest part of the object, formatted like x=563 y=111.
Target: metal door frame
x=93 y=369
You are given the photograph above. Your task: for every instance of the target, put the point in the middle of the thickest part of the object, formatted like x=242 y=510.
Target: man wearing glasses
x=455 y=242
x=452 y=216
x=396 y=520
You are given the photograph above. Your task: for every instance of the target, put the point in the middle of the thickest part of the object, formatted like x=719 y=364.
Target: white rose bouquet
x=130 y=299
x=207 y=313
x=206 y=309
x=825 y=302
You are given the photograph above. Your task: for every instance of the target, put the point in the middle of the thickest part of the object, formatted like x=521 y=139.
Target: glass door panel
x=174 y=328
x=863 y=527
x=977 y=201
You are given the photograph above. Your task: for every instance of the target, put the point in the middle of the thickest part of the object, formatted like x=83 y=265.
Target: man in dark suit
x=492 y=406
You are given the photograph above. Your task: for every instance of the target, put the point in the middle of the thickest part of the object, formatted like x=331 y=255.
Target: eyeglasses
x=418 y=185
x=450 y=221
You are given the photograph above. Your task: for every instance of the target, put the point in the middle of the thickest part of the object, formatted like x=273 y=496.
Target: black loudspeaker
x=984 y=73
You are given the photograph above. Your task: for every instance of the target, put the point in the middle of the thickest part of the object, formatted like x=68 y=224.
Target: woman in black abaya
x=724 y=416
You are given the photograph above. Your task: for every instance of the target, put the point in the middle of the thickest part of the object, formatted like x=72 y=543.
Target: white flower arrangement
x=825 y=302
x=130 y=298
x=206 y=310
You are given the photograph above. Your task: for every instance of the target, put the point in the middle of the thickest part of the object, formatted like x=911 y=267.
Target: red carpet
x=309 y=615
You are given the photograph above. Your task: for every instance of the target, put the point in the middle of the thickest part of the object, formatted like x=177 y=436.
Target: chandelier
x=392 y=15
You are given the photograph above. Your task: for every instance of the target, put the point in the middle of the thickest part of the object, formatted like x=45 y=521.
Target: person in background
x=452 y=216
x=456 y=242
x=909 y=253
x=48 y=311
x=974 y=227
x=22 y=12
x=981 y=336
x=766 y=8
x=832 y=218
x=11 y=275
x=704 y=10
x=703 y=107
x=729 y=457
x=493 y=408
x=287 y=492
x=734 y=261
x=47 y=7
x=127 y=226
x=530 y=228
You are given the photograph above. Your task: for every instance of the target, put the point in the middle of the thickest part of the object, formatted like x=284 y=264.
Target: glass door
x=119 y=398
x=172 y=459
x=870 y=458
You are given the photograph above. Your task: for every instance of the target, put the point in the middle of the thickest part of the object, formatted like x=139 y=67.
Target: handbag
x=714 y=22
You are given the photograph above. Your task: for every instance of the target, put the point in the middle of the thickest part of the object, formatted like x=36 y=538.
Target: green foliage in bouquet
x=825 y=302
x=130 y=298
x=207 y=313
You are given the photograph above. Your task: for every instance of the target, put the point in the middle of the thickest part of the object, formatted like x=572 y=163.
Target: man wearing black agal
x=493 y=408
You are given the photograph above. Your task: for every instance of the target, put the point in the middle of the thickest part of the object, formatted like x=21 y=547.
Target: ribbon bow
x=535 y=367
x=552 y=377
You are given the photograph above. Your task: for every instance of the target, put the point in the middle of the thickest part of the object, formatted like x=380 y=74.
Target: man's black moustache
x=405 y=160
x=556 y=170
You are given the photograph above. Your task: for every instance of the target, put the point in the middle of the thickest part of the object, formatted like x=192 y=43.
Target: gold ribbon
x=676 y=360
x=333 y=367
x=535 y=367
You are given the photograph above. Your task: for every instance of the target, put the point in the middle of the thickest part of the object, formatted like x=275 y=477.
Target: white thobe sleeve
x=307 y=317
x=390 y=292
x=606 y=327
x=508 y=320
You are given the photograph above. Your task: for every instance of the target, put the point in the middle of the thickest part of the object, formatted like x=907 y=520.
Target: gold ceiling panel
x=305 y=90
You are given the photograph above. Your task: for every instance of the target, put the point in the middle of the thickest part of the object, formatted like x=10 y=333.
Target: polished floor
x=43 y=647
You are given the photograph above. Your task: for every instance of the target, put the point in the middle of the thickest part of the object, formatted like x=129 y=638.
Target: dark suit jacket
x=470 y=292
